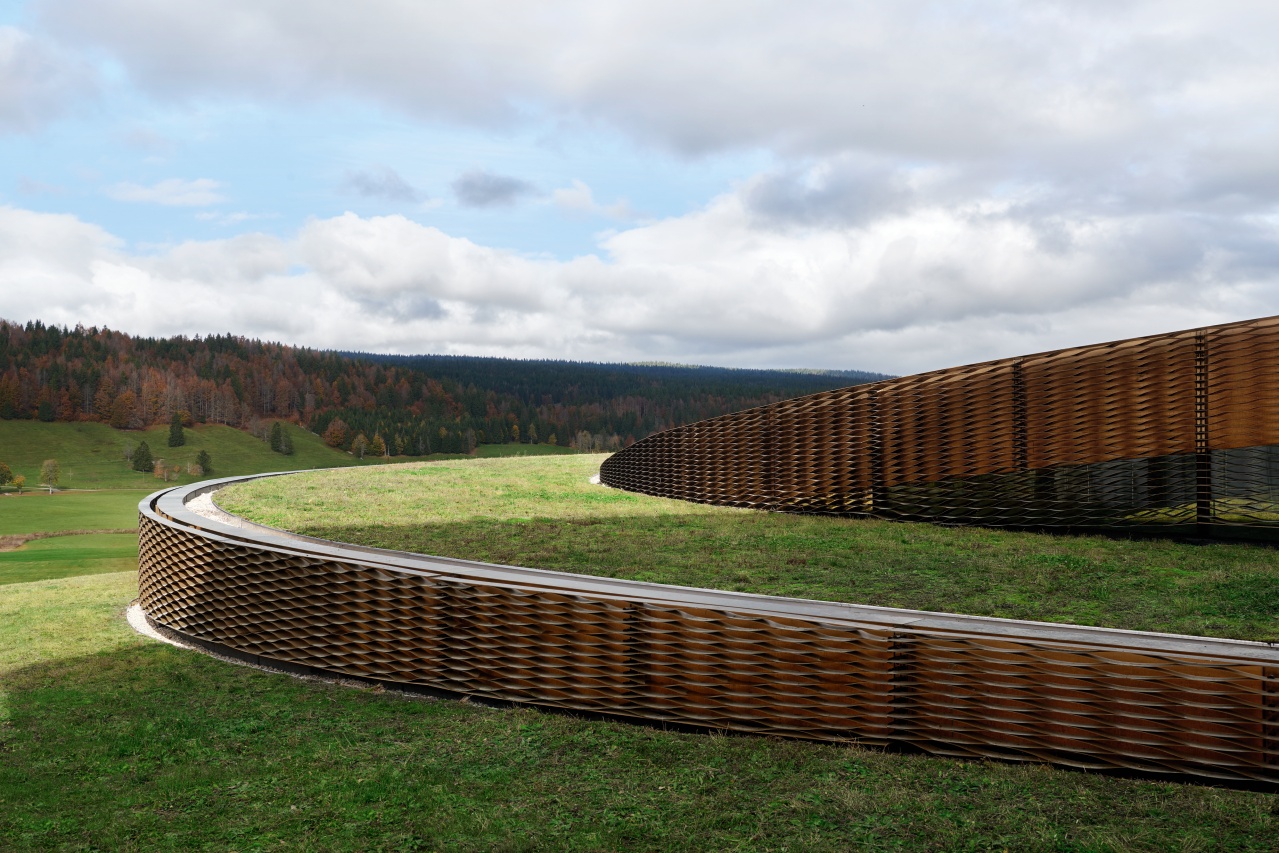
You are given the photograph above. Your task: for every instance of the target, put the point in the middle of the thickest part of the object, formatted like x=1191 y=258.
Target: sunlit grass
x=110 y=741
x=40 y=511
x=70 y=556
x=545 y=513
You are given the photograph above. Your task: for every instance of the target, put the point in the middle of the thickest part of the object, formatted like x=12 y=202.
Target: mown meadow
x=111 y=741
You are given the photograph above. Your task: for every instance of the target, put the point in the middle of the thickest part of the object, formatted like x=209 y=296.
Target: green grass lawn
x=34 y=512
x=69 y=556
x=113 y=742
x=109 y=741
x=544 y=513
x=90 y=454
x=503 y=451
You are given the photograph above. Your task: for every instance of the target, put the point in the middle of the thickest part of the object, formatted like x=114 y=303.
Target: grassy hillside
x=544 y=513
x=68 y=556
x=92 y=454
x=91 y=457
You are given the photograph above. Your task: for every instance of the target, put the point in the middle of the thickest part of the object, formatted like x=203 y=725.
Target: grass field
x=92 y=455
x=69 y=556
x=545 y=513
x=34 y=512
x=109 y=741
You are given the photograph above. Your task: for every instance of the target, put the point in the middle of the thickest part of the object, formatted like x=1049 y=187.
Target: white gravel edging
x=204 y=505
x=138 y=622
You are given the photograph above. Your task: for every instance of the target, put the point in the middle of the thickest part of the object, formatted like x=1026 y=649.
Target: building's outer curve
x=946 y=684
x=1171 y=434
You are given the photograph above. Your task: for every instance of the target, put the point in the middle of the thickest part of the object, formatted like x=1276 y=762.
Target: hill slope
x=92 y=456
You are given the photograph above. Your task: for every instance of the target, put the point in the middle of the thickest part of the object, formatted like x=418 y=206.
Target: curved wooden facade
x=1172 y=434
x=946 y=684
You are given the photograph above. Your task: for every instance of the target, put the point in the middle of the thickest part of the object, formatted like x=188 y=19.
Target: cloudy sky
x=892 y=186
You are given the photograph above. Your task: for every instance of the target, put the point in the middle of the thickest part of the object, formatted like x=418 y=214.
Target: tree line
x=413 y=405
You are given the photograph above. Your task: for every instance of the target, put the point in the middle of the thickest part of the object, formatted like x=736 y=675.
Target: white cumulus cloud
x=945 y=182
x=924 y=289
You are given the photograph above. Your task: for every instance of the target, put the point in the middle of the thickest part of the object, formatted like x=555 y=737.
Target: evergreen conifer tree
x=286 y=443
x=204 y=461
x=176 y=437
x=276 y=433
x=142 y=459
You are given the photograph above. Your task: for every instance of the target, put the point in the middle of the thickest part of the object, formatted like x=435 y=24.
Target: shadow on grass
x=152 y=747
x=1225 y=590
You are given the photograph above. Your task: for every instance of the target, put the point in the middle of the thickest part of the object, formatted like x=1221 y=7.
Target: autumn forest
x=393 y=405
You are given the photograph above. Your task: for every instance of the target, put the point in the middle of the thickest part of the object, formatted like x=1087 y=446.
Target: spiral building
x=1174 y=434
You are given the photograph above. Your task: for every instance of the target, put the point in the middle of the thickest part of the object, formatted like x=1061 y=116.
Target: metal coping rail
x=946 y=684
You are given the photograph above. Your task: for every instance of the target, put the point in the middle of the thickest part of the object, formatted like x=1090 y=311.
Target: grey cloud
x=478 y=188
x=38 y=81
x=382 y=182
x=402 y=307
x=1091 y=96
x=815 y=76
x=834 y=194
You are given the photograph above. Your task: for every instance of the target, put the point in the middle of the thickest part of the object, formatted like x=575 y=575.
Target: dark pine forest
x=415 y=404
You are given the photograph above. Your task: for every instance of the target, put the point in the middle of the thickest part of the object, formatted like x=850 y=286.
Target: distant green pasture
x=39 y=511
x=70 y=556
x=92 y=454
